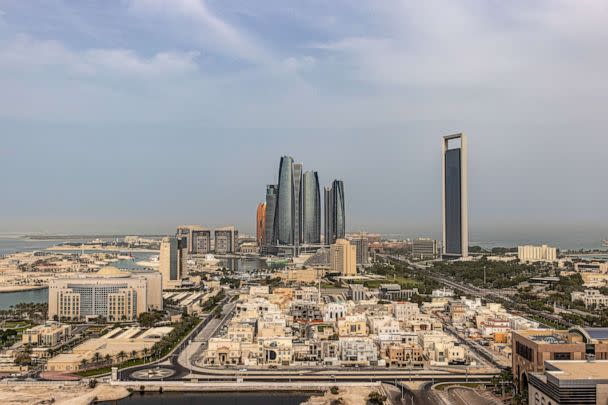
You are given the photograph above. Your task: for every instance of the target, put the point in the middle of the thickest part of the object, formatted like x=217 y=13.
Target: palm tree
x=145 y=351
x=83 y=363
x=96 y=357
x=108 y=358
x=121 y=355
x=133 y=354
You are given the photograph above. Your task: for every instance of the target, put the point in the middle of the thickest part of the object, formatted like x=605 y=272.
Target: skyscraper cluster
x=292 y=210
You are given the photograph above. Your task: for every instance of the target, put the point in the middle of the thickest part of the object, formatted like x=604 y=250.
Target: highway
x=488 y=293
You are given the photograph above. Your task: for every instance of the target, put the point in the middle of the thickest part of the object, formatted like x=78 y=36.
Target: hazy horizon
x=140 y=115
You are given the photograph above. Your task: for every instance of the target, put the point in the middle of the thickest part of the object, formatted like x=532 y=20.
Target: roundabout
x=157 y=373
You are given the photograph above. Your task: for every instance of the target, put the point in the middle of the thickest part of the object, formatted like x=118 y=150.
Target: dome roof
x=111 y=271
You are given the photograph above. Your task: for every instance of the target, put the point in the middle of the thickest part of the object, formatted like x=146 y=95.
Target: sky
x=138 y=115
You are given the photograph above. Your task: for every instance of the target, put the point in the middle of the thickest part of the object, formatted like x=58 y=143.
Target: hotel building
x=112 y=293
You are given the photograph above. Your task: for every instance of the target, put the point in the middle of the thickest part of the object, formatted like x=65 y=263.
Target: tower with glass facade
x=455 y=241
x=311 y=209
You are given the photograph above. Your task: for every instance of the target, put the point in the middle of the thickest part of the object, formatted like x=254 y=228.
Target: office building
x=311 y=209
x=578 y=382
x=362 y=247
x=226 y=240
x=424 y=248
x=297 y=203
x=343 y=258
x=170 y=263
x=285 y=208
x=271 y=203
x=114 y=294
x=531 y=254
x=260 y=224
x=335 y=216
x=194 y=238
x=533 y=347
x=455 y=241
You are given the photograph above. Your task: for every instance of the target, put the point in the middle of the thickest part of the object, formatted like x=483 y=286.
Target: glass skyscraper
x=335 y=217
x=454 y=193
x=297 y=205
x=285 y=209
x=271 y=203
x=293 y=210
x=311 y=208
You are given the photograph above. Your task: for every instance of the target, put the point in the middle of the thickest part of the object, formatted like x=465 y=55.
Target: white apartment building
x=334 y=311
x=358 y=350
x=531 y=254
x=591 y=298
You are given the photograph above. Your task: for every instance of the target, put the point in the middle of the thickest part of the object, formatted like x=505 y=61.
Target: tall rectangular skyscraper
x=335 y=216
x=311 y=208
x=454 y=196
x=297 y=203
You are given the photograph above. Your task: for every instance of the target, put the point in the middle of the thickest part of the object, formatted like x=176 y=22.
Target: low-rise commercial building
x=532 y=348
x=49 y=334
x=574 y=382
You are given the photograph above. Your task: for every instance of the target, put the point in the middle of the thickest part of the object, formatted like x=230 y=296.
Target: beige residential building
x=114 y=294
x=48 y=334
x=343 y=258
x=352 y=325
x=170 y=263
x=531 y=254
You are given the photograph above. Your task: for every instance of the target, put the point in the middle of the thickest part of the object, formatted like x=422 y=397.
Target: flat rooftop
x=578 y=369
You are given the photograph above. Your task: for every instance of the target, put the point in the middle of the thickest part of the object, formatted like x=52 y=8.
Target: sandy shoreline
x=102 y=249
x=20 y=288
x=63 y=394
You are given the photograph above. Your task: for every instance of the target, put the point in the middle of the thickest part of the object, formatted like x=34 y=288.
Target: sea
x=14 y=244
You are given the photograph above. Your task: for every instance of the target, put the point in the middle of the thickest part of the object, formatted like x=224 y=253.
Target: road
x=489 y=294
x=187 y=357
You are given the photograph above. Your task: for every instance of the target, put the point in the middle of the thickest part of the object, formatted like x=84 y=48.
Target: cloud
x=25 y=53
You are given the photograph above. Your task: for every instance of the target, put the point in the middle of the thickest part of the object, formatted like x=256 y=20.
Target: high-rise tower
x=454 y=196
x=327 y=216
x=260 y=224
x=271 y=203
x=297 y=203
x=311 y=209
x=285 y=209
x=335 y=217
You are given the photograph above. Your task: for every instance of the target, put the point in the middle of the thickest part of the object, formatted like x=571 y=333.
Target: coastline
x=101 y=249
x=21 y=288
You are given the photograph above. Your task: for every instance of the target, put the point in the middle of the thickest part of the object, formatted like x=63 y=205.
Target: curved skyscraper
x=285 y=210
x=297 y=203
x=311 y=208
x=335 y=217
x=339 y=214
x=271 y=203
